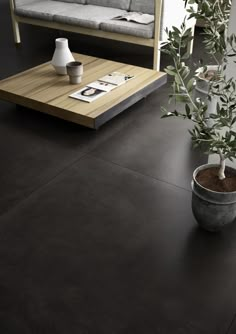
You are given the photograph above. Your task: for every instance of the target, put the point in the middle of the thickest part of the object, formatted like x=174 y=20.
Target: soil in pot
x=208 y=178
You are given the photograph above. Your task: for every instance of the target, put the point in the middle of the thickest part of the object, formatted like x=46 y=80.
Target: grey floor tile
x=157 y=147
x=87 y=246
x=110 y=251
x=35 y=147
x=232 y=328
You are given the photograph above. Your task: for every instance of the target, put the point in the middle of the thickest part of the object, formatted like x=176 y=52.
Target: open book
x=116 y=78
x=136 y=17
x=100 y=87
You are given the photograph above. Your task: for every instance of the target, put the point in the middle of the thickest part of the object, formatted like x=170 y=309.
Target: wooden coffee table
x=40 y=88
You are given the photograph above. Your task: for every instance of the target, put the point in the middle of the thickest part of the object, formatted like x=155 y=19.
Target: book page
x=105 y=86
x=102 y=86
x=136 y=17
x=88 y=94
x=116 y=78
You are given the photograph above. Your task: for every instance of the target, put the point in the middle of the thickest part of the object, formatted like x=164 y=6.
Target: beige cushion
x=87 y=16
x=121 y=4
x=146 y=6
x=128 y=28
x=44 y=9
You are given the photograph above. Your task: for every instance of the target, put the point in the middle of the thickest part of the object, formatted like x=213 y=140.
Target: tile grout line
x=20 y=202
x=137 y=172
x=73 y=163
x=231 y=324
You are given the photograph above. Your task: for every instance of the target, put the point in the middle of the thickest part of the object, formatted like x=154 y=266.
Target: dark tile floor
x=96 y=230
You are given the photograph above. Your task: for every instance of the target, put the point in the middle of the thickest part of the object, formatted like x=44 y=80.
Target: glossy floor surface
x=96 y=230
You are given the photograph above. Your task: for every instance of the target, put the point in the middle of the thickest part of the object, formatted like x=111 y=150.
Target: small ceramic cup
x=75 y=71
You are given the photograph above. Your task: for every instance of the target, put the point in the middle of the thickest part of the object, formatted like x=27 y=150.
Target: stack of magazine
x=98 y=88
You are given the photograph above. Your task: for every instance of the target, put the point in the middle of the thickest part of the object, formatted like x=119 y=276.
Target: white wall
x=232 y=29
x=231 y=72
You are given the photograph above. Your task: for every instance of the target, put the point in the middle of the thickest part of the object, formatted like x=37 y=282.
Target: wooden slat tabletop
x=40 y=88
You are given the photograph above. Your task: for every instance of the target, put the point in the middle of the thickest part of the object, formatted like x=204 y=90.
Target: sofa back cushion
x=82 y=2
x=22 y=2
x=143 y=6
x=121 y=4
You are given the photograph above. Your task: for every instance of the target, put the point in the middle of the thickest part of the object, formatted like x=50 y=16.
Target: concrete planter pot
x=212 y=210
x=202 y=89
x=203 y=83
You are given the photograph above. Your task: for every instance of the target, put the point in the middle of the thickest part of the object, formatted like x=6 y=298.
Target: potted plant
x=214 y=186
x=214 y=14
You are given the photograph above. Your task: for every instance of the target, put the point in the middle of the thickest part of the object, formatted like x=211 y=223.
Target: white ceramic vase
x=61 y=56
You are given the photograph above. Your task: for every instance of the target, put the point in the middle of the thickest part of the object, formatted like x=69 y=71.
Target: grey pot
x=212 y=210
x=202 y=91
x=75 y=71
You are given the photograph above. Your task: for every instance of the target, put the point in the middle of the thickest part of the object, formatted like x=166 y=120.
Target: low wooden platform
x=40 y=88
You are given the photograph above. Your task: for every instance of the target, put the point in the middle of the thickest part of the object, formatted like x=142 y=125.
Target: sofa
x=96 y=18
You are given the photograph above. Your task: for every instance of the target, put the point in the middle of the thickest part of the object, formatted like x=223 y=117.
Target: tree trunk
x=221 y=173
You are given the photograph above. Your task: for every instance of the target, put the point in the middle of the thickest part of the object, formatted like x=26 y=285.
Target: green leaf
x=191 y=84
x=170 y=72
x=186 y=56
x=177 y=79
x=170 y=67
x=188 y=110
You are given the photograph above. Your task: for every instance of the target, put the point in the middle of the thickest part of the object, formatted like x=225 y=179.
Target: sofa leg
x=156 y=58
x=15 y=24
x=16 y=31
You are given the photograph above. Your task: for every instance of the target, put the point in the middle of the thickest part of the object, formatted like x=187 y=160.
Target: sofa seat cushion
x=88 y=16
x=128 y=28
x=43 y=9
x=121 y=4
x=144 y=6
